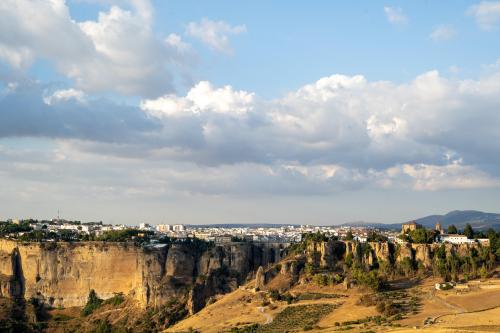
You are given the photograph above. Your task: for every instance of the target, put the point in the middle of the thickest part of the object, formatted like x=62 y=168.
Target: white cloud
x=340 y=132
x=395 y=15
x=442 y=33
x=214 y=33
x=118 y=52
x=65 y=95
x=486 y=14
x=424 y=177
x=203 y=97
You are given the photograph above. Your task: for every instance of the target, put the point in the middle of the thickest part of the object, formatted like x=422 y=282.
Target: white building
x=178 y=227
x=163 y=228
x=456 y=239
x=360 y=239
x=145 y=226
x=484 y=241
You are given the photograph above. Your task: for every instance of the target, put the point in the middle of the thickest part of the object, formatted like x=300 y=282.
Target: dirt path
x=269 y=318
x=449 y=305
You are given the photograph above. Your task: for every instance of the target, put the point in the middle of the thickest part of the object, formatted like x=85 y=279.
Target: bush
x=391 y=309
x=369 y=279
x=116 y=300
x=93 y=302
x=103 y=326
x=380 y=307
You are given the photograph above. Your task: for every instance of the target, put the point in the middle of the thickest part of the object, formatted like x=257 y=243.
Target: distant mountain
x=363 y=224
x=241 y=225
x=478 y=220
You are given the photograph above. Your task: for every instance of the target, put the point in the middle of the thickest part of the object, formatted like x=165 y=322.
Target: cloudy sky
x=184 y=111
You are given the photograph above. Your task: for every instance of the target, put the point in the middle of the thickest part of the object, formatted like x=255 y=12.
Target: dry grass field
x=237 y=308
x=475 y=310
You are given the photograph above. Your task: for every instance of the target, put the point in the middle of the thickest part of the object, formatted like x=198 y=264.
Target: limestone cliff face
x=423 y=253
x=405 y=251
x=328 y=254
x=325 y=254
x=62 y=274
x=382 y=251
x=225 y=267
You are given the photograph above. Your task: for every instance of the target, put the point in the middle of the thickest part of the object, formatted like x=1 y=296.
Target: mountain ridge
x=478 y=220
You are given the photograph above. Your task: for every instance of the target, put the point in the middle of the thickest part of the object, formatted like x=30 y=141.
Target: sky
x=317 y=112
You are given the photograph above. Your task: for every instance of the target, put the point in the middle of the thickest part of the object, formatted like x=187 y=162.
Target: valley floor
x=474 y=310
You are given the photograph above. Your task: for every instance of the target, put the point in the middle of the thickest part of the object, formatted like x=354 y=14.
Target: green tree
x=483 y=272
x=468 y=231
x=349 y=259
x=349 y=236
x=103 y=326
x=422 y=236
x=406 y=267
x=93 y=302
x=452 y=229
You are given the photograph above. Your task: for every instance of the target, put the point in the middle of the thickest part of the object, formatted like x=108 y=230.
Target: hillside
x=479 y=221
x=331 y=286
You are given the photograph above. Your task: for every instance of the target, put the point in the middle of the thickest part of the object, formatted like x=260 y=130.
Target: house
x=178 y=228
x=164 y=228
x=223 y=239
x=360 y=239
x=396 y=240
x=456 y=239
x=484 y=241
x=410 y=226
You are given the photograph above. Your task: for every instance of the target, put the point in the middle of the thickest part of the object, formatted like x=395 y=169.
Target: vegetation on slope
x=292 y=319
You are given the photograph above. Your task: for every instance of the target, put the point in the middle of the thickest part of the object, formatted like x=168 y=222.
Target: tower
x=439 y=228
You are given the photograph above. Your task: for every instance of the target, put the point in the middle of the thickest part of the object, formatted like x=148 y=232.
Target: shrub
x=93 y=302
x=103 y=326
x=116 y=300
x=380 y=307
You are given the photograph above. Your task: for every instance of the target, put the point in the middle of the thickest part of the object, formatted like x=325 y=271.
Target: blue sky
x=320 y=38
x=262 y=111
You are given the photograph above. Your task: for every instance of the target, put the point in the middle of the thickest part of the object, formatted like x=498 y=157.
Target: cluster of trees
x=7 y=228
x=331 y=279
x=308 y=238
x=450 y=266
x=123 y=235
x=363 y=274
x=376 y=237
x=369 y=278
x=426 y=236
x=468 y=231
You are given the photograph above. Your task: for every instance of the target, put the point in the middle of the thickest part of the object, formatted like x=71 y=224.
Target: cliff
x=62 y=274
x=329 y=254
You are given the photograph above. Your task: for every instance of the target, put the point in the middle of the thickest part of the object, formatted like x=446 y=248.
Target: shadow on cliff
x=17 y=312
x=23 y=316
x=17 y=283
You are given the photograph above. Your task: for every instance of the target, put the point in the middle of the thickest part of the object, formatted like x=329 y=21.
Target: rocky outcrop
x=260 y=278
x=328 y=254
x=325 y=254
x=404 y=251
x=423 y=253
x=62 y=274
x=382 y=251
